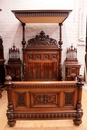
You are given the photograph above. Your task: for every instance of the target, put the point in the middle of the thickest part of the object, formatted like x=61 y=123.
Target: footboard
x=44 y=100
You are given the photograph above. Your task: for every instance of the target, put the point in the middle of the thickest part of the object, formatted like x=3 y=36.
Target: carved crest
x=42 y=40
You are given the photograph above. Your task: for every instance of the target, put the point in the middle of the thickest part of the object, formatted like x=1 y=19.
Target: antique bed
x=42 y=94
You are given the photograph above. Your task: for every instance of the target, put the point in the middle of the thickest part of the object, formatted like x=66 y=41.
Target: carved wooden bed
x=42 y=94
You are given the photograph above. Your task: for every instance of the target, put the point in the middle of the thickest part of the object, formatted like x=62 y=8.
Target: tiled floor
x=43 y=125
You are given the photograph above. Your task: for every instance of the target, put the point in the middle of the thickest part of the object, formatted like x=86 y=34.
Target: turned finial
x=80 y=79
x=8 y=80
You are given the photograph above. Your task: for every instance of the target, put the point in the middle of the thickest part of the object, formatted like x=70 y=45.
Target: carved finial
x=80 y=79
x=8 y=80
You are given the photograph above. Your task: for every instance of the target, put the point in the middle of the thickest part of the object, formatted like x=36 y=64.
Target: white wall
x=74 y=28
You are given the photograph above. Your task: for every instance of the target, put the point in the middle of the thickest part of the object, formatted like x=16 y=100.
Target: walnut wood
x=44 y=100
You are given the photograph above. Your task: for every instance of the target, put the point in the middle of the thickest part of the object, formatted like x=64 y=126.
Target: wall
x=74 y=27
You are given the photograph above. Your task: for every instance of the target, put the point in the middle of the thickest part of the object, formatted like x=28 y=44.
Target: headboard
x=41 y=58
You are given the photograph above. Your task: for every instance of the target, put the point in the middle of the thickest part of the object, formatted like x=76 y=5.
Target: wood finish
x=44 y=100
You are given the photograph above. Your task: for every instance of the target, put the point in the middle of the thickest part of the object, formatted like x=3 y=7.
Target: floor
x=43 y=125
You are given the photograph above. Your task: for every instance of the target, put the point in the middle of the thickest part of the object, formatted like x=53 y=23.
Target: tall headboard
x=41 y=58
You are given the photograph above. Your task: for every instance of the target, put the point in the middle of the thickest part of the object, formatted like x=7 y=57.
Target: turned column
x=60 y=51
x=10 y=111
x=23 y=48
x=79 y=111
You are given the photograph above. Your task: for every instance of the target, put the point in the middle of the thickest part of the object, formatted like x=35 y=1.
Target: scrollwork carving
x=42 y=40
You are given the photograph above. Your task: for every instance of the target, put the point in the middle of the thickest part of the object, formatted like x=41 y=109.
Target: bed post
x=10 y=111
x=23 y=48
x=79 y=111
x=60 y=51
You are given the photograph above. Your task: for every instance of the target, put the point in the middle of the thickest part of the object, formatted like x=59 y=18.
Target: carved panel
x=69 y=98
x=21 y=99
x=44 y=99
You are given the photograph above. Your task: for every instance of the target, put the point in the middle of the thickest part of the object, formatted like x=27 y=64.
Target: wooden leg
x=77 y=121
x=11 y=123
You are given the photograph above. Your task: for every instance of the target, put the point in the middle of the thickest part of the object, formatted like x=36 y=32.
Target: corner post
x=10 y=111
x=60 y=51
x=79 y=110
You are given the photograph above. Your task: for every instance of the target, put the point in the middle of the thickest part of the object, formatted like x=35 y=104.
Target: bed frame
x=38 y=100
x=42 y=94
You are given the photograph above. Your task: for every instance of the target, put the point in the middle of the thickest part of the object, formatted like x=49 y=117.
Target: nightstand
x=14 y=65
x=72 y=67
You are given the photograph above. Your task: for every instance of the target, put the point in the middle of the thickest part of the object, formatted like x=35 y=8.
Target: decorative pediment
x=42 y=40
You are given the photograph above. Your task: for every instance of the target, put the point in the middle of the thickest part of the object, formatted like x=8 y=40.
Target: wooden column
x=79 y=113
x=60 y=51
x=10 y=111
x=23 y=49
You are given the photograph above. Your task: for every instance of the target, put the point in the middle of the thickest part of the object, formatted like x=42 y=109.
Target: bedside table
x=72 y=70
x=14 y=64
x=72 y=67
